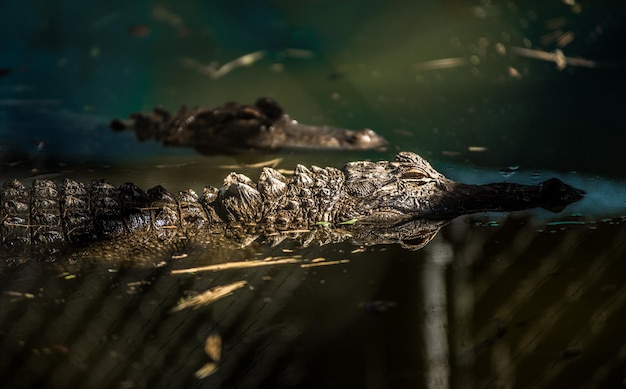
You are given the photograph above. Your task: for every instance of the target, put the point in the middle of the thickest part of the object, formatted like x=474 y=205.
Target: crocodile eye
x=412 y=174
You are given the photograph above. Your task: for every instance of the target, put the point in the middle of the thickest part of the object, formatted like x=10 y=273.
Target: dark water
x=505 y=301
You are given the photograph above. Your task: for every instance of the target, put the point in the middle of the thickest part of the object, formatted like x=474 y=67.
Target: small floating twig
x=13 y=293
x=271 y=163
x=326 y=263
x=215 y=71
x=206 y=370
x=209 y=296
x=237 y=265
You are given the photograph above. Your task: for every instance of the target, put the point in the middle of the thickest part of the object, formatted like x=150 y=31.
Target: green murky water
x=486 y=91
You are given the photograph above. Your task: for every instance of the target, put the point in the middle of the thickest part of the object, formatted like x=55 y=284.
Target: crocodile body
x=404 y=200
x=236 y=128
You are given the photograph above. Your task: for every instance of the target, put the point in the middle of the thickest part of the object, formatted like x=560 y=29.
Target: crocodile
x=404 y=200
x=234 y=128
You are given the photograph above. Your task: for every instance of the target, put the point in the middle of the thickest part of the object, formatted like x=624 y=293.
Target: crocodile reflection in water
x=236 y=128
x=404 y=200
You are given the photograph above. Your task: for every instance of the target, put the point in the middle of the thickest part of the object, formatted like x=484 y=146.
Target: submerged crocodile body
x=404 y=200
x=236 y=128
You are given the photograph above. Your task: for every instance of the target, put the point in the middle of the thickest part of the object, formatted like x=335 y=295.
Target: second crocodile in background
x=235 y=128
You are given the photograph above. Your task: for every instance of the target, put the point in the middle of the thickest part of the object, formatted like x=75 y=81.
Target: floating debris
x=514 y=73
x=180 y=256
x=213 y=346
x=134 y=284
x=298 y=53
x=551 y=37
x=324 y=263
x=555 y=56
x=206 y=370
x=271 y=163
x=67 y=275
x=208 y=297
x=238 y=265
x=286 y=172
x=22 y=295
x=214 y=71
x=444 y=63
x=565 y=39
x=477 y=149
x=134 y=287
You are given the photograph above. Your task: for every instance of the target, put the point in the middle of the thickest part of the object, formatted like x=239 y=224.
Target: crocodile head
x=407 y=188
x=391 y=192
